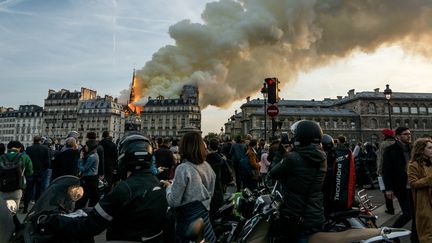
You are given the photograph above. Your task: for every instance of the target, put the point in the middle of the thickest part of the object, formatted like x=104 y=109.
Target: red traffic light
x=270 y=81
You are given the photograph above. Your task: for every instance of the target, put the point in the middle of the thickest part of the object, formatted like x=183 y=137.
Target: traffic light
x=272 y=90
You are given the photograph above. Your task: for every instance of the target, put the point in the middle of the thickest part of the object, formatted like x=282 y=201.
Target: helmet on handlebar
x=306 y=132
x=327 y=142
x=134 y=152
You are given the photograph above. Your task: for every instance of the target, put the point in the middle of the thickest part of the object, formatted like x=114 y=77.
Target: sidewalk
x=385 y=219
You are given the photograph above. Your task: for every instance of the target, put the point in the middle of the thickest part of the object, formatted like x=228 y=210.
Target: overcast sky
x=54 y=44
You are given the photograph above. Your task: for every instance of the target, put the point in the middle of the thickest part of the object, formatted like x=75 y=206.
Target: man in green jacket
x=12 y=177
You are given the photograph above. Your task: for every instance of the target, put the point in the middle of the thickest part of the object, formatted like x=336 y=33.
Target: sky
x=96 y=44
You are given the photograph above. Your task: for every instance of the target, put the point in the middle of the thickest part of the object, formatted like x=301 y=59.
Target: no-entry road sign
x=272 y=111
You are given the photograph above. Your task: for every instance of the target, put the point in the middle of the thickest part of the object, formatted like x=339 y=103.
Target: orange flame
x=134 y=97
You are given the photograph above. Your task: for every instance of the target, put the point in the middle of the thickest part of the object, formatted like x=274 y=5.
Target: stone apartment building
x=81 y=111
x=171 y=117
x=7 y=124
x=358 y=116
x=22 y=124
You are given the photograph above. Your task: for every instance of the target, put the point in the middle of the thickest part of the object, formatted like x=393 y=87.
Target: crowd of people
x=152 y=189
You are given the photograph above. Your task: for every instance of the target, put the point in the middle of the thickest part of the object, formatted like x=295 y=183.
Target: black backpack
x=11 y=174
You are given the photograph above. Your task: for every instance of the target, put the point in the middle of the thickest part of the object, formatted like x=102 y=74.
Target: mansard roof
x=99 y=104
x=170 y=102
x=64 y=94
x=312 y=111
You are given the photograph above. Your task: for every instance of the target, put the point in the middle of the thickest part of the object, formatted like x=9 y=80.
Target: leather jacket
x=135 y=210
x=301 y=175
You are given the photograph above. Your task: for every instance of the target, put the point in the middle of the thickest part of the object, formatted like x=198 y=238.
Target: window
x=396 y=109
x=405 y=109
x=422 y=109
x=371 y=108
x=374 y=123
x=414 y=110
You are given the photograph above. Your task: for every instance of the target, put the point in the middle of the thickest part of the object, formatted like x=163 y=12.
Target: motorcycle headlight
x=75 y=193
x=11 y=205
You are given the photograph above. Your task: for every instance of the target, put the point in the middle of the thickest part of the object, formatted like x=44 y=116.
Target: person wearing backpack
x=14 y=166
x=249 y=166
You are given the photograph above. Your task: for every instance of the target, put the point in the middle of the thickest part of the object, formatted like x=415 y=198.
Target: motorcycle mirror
x=11 y=205
x=75 y=192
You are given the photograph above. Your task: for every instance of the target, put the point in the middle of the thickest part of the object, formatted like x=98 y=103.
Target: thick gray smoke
x=243 y=42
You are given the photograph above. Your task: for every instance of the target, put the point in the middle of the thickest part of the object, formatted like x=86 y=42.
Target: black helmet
x=285 y=139
x=327 y=142
x=306 y=132
x=134 y=152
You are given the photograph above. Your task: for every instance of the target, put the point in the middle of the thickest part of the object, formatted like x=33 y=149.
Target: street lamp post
x=387 y=95
x=264 y=91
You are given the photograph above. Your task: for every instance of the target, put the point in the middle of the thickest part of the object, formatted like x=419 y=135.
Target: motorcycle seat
x=349 y=235
x=351 y=213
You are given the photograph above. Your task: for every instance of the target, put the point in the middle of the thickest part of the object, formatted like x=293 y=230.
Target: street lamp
x=387 y=95
x=264 y=91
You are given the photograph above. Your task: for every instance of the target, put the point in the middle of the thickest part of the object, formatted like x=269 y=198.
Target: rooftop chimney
x=351 y=93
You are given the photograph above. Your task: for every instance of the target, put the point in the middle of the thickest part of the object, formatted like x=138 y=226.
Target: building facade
x=359 y=116
x=7 y=124
x=162 y=117
x=81 y=111
x=99 y=115
x=28 y=123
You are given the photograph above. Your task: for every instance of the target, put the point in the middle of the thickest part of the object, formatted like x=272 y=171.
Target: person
x=40 y=157
x=237 y=151
x=13 y=190
x=420 y=180
x=110 y=158
x=66 y=162
x=100 y=152
x=389 y=139
x=250 y=172
x=301 y=175
x=164 y=159
x=135 y=210
x=215 y=159
x=339 y=184
x=88 y=166
x=395 y=177
x=2 y=148
x=192 y=189
x=264 y=163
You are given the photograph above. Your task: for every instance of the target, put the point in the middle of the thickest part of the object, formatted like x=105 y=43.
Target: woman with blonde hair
x=192 y=188
x=420 y=180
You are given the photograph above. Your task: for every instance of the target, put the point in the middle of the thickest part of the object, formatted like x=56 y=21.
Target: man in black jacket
x=135 y=210
x=395 y=162
x=66 y=161
x=301 y=174
x=40 y=158
x=110 y=158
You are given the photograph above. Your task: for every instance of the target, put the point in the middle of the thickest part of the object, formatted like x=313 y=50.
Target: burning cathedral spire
x=133 y=98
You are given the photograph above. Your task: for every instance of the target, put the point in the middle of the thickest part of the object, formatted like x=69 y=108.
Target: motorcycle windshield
x=56 y=197
x=7 y=226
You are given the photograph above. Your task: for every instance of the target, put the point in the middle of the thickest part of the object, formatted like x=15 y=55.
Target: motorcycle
x=8 y=219
x=266 y=210
x=59 y=198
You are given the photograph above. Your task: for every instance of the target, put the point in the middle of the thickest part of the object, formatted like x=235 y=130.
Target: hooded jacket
x=301 y=175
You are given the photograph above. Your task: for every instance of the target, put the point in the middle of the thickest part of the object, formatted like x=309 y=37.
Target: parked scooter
x=266 y=210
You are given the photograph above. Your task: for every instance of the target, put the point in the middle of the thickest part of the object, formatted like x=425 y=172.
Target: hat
x=387 y=132
x=73 y=134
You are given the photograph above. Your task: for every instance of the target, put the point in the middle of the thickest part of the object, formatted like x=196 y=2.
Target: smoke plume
x=242 y=42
